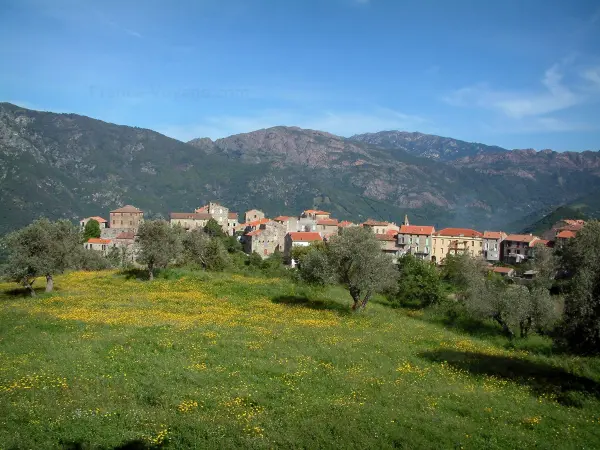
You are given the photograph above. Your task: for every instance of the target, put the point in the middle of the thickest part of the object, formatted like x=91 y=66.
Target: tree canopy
x=581 y=261
x=42 y=248
x=91 y=230
x=159 y=244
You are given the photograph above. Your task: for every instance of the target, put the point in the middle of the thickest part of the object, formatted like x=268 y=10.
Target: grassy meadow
x=226 y=361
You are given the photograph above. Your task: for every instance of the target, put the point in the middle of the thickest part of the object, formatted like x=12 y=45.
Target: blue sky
x=520 y=74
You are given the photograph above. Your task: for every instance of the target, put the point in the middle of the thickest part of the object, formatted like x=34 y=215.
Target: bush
x=419 y=282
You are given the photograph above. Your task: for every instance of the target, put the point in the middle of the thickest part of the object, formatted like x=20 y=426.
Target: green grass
x=221 y=361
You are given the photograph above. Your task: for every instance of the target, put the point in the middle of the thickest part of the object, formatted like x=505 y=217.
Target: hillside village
x=265 y=236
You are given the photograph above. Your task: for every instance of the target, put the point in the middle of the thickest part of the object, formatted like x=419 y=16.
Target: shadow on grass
x=299 y=300
x=135 y=274
x=543 y=379
x=469 y=325
x=24 y=292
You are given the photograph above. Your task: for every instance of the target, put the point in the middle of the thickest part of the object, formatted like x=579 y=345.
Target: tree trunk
x=365 y=300
x=505 y=328
x=28 y=285
x=49 y=283
x=150 y=274
x=355 y=293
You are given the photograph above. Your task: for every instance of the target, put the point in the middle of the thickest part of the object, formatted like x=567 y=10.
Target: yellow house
x=456 y=241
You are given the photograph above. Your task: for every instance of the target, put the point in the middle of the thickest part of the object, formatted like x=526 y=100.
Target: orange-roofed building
x=98 y=244
x=315 y=214
x=328 y=227
x=416 y=240
x=300 y=239
x=517 y=248
x=456 y=241
x=102 y=222
x=492 y=245
x=253 y=215
x=564 y=236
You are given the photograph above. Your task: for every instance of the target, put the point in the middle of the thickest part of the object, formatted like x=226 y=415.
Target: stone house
x=99 y=245
x=232 y=223
x=564 y=236
x=389 y=245
x=290 y=223
x=126 y=218
x=456 y=241
x=190 y=221
x=102 y=222
x=253 y=215
x=265 y=238
x=299 y=239
x=218 y=212
x=517 y=248
x=327 y=227
x=492 y=245
x=380 y=227
x=307 y=224
x=315 y=214
x=416 y=240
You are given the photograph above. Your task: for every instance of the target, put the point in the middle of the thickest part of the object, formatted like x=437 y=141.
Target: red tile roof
x=574 y=222
x=191 y=216
x=385 y=237
x=466 y=232
x=542 y=242
x=527 y=238
x=502 y=269
x=416 y=229
x=345 y=223
x=566 y=234
x=281 y=218
x=97 y=219
x=305 y=236
x=392 y=233
x=127 y=209
x=257 y=223
x=493 y=234
x=375 y=223
x=98 y=241
x=254 y=233
x=201 y=209
x=327 y=222
x=232 y=215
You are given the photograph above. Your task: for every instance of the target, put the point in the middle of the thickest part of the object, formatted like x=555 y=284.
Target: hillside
x=66 y=165
x=225 y=361
x=425 y=145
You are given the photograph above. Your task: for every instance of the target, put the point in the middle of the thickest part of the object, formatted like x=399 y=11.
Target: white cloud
x=336 y=122
x=535 y=110
x=555 y=96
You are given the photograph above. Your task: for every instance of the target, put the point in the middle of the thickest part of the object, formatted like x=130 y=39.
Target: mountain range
x=67 y=165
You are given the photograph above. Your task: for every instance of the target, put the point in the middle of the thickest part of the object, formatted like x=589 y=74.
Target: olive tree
x=359 y=264
x=42 y=248
x=158 y=243
x=581 y=261
x=511 y=306
x=209 y=253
